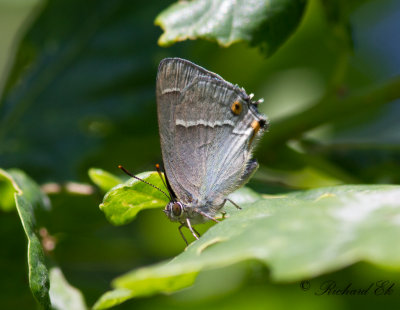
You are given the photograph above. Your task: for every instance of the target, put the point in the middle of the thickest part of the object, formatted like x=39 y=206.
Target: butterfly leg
x=206 y=215
x=180 y=231
x=237 y=207
x=191 y=229
x=197 y=233
x=223 y=213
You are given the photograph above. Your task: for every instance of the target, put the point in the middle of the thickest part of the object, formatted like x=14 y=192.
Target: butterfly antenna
x=137 y=178
x=162 y=179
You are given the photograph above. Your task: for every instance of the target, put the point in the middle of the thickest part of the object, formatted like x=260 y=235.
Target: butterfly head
x=174 y=210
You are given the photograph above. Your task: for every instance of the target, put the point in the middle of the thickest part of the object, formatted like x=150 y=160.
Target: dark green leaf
x=13 y=16
x=18 y=189
x=262 y=22
x=29 y=199
x=338 y=15
x=298 y=236
x=38 y=274
x=76 y=85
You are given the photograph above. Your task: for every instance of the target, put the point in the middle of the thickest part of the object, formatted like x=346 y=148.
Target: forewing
x=213 y=143
x=173 y=76
x=205 y=144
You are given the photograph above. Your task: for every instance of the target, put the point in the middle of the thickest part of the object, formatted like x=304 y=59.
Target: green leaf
x=98 y=61
x=7 y=190
x=13 y=16
x=113 y=298
x=267 y=23
x=103 y=179
x=338 y=15
x=63 y=295
x=124 y=201
x=29 y=200
x=298 y=236
x=142 y=285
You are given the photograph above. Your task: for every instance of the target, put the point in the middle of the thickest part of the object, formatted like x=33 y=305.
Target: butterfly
x=208 y=128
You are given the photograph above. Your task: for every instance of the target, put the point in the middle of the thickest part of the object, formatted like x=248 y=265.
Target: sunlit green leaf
x=7 y=190
x=267 y=23
x=113 y=298
x=103 y=179
x=64 y=296
x=298 y=236
x=124 y=201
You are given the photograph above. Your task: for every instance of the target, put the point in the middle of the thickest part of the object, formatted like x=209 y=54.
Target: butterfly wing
x=206 y=143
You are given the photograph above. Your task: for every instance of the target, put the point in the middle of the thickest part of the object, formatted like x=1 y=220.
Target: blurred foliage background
x=77 y=85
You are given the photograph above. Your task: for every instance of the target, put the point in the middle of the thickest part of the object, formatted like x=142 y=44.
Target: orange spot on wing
x=256 y=126
x=236 y=107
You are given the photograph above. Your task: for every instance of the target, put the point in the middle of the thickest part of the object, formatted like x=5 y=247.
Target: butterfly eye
x=177 y=209
x=236 y=108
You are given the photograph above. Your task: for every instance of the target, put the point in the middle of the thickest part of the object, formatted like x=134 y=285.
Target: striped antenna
x=137 y=178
